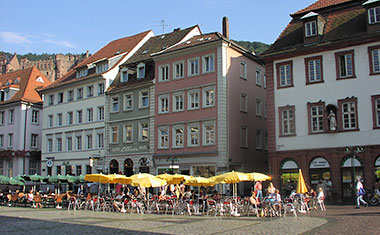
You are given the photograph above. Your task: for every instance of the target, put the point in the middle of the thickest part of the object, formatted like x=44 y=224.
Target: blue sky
x=74 y=26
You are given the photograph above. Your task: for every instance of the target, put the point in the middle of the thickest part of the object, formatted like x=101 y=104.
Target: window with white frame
x=287 y=120
x=35 y=116
x=2 y=117
x=259 y=78
x=100 y=140
x=11 y=116
x=311 y=28
x=143 y=131
x=79 y=116
x=178 y=102
x=314 y=69
x=60 y=98
x=115 y=104
x=78 y=142
x=69 y=143
x=243 y=103
x=193 y=134
x=243 y=136
x=90 y=91
x=82 y=72
x=140 y=71
x=70 y=95
x=178 y=70
x=208 y=97
x=100 y=113
x=144 y=99
x=193 y=67
x=193 y=99
x=259 y=107
x=51 y=100
x=1 y=141
x=89 y=141
x=79 y=93
x=163 y=73
x=208 y=63
x=349 y=115
x=10 y=140
x=375 y=60
x=70 y=117
x=50 y=120
x=128 y=101
x=317 y=118
x=345 y=61
x=163 y=137
x=102 y=67
x=124 y=75
x=59 y=119
x=259 y=139
x=101 y=88
x=284 y=73
x=34 y=141
x=374 y=15
x=90 y=115
x=114 y=134
x=49 y=145
x=128 y=133
x=59 y=144
x=178 y=136
x=163 y=104
x=208 y=133
x=243 y=70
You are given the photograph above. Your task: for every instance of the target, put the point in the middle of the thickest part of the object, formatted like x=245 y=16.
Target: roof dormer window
x=102 y=67
x=82 y=72
x=374 y=15
x=311 y=28
x=124 y=75
x=140 y=71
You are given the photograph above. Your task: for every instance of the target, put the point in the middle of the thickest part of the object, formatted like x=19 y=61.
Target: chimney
x=226 y=29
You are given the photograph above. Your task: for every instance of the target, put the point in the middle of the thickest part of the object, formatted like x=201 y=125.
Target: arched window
x=114 y=167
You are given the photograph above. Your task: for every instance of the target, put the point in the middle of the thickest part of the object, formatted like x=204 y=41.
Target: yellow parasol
x=256 y=176
x=301 y=185
x=200 y=181
x=147 y=180
x=174 y=179
x=99 y=178
x=230 y=177
x=119 y=179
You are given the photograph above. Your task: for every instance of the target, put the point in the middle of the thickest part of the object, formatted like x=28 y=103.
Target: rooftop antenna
x=162 y=24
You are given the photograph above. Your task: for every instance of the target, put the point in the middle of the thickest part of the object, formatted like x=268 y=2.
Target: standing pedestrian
x=259 y=189
x=359 y=193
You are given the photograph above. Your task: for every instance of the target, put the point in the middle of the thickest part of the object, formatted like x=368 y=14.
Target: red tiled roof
x=319 y=5
x=119 y=46
x=27 y=85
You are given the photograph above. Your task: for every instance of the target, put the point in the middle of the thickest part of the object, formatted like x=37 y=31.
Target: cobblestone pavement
x=347 y=220
x=51 y=221
x=336 y=220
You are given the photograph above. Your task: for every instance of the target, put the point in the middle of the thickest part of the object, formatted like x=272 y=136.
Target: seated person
x=216 y=196
x=118 y=202
x=253 y=199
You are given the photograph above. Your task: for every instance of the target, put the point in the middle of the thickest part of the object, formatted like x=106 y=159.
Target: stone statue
x=332 y=120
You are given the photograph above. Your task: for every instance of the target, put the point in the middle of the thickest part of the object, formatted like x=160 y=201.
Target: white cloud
x=14 y=38
x=59 y=43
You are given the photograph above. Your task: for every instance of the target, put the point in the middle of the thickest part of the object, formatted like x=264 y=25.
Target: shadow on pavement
x=14 y=225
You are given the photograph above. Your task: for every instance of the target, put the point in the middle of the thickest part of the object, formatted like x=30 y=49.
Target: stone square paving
x=336 y=220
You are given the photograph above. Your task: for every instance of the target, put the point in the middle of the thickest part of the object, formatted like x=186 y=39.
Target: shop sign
x=130 y=149
x=319 y=163
x=290 y=164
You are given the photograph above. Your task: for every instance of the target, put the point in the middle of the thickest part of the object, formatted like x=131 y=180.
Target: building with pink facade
x=21 y=122
x=210 y=114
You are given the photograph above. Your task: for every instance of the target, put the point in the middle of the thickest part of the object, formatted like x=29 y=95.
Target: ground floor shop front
x=335 y=170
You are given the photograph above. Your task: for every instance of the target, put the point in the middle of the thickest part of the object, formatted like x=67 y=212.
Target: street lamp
x=172 y=160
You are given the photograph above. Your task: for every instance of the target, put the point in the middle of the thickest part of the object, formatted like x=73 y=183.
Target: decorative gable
x=313 y=26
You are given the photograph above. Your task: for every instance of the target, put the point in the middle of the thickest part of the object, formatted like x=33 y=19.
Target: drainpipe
x=28 y=105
